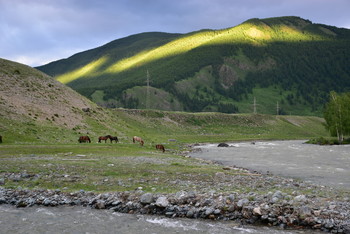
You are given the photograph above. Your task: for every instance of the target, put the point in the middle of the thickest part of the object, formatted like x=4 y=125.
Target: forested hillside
x=288 y=65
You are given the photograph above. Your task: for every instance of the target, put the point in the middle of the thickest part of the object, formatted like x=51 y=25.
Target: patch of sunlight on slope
x=173 y=48
x=83 y=71
x=247 y=33
x=176 y=47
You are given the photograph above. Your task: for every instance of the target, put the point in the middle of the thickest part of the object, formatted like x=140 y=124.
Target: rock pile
x=275 y=208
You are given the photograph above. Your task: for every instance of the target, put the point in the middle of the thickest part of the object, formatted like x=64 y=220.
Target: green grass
x=54 y=159
x=161 y=126
x=94 y=167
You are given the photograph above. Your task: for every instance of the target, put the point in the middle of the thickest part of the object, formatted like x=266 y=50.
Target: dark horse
x=160 y=147
x=84 y=139
x=113 y=138
x=139 y=139
x=103 y=138
x=0 y=139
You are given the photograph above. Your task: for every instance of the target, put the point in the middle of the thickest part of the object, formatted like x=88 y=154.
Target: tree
x=337 y=115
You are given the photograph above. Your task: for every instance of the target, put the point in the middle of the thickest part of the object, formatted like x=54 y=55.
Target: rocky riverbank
x=274 y=208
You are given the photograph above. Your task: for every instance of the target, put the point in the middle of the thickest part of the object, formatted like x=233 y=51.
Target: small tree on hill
x=337 y=115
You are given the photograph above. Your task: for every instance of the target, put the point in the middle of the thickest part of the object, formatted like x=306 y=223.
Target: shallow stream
x=35 y=220
x=324 y=165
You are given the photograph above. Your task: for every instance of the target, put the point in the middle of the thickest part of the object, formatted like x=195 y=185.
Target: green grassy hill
x=285 y=60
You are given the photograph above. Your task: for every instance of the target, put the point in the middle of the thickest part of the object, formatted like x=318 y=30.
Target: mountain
x=284 y=64
x=37 y=109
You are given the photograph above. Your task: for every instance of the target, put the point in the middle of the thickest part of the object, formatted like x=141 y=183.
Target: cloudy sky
x=35 y=32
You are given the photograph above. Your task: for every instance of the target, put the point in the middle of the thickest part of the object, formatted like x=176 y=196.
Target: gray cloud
x=36 y=32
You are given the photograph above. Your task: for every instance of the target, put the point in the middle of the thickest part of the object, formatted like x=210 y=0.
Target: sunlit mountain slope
x=285 y=60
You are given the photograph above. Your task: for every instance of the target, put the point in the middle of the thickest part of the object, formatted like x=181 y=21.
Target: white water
x=51 y=220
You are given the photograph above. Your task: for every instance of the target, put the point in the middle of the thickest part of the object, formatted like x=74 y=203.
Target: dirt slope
x=28 y=93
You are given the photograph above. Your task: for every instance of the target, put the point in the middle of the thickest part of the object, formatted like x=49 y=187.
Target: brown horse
x=138 y=139
x=84 y=139
x=160 y=147
x=103 y=138
x=113 y=138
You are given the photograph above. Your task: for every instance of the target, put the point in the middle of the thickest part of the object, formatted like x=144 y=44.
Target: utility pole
x=254 y=106
x=278 y=109
x=147 y=94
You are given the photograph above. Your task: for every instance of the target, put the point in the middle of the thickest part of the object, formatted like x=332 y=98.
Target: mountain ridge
x=242 y=61
x=36 y=109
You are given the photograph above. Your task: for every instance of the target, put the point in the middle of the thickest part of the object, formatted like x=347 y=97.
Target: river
x=323 y=165
x=79 y=220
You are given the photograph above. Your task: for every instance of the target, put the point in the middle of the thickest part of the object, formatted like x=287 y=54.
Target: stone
x=242 y=202
x=274 y=200
x=220 y=176
x=300 y=198
x=100 y=204
x=257 y=211
x=116 y=203
x=223 y=145
x=304 y=211
x=2 y=200
x=231 y=198
x=190 y=213
x=278 y=194
x=209 y=211
x=46 y=202
x=181 y=194
x=162 y=202
x=147 y=198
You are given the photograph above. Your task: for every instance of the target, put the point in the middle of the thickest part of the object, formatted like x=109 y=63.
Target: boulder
x=223 y=145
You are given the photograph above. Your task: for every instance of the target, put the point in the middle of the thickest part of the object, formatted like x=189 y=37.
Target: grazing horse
x=160 y=147
x=0 y=139
x=103 y=138
x=84 y=139
x=113 y=138
x=139 y=139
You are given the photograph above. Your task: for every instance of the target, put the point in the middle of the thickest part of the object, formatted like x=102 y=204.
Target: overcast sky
x=36 y=32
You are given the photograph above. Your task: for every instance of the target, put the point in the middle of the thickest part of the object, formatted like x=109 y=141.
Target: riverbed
x=323 y=165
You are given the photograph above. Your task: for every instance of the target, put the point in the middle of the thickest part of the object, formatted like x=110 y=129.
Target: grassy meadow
x=40 y=156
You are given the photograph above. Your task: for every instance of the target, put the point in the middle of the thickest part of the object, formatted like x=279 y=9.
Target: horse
x=160 y=147
x=139 y=139
x=84 y=139
x=0 y=139
x=113 y=138
x=103 y=138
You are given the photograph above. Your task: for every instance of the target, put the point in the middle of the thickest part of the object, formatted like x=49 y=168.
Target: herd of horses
x=86 y=139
